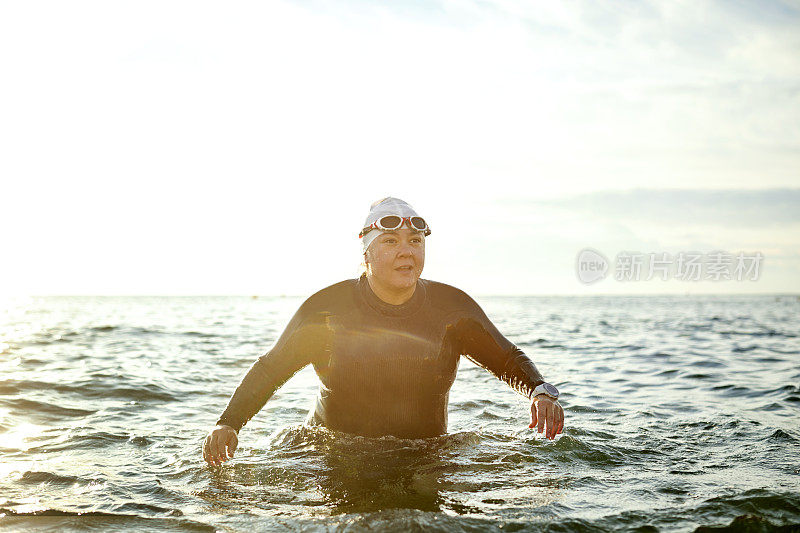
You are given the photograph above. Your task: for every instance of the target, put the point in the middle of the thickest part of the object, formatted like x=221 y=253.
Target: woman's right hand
x=220 y=445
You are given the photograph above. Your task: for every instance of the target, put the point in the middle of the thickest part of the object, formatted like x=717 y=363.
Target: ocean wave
x=41 y=409
x=52 y=519
x=92 y=388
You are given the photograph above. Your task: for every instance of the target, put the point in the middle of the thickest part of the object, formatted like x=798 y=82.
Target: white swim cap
x=383 y=207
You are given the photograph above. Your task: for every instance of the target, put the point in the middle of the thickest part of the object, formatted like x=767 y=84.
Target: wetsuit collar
x=405 y=309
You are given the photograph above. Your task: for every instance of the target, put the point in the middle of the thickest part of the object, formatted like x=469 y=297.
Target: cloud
x=165 y=130
x=727 y=207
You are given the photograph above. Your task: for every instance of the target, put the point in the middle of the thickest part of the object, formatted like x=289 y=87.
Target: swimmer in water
x=385 y=347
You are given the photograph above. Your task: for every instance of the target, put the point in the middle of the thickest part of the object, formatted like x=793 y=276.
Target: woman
x=385 y=347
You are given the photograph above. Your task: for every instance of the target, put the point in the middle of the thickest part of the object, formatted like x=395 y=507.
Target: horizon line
x=250 y=295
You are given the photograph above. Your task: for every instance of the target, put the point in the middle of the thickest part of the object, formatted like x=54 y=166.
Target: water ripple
x=680 y=414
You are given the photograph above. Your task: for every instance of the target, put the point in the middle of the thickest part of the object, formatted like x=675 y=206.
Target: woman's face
x=395 y=259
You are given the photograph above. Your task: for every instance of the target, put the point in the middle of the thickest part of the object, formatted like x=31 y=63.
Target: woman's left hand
x=545 y=409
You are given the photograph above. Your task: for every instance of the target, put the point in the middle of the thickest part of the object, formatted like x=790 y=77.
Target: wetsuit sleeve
x=300 y=342
x=482 y=343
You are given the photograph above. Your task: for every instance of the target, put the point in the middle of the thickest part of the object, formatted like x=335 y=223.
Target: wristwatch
x=546 y=389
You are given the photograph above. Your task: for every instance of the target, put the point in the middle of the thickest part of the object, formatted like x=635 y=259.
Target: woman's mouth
x=406 y=268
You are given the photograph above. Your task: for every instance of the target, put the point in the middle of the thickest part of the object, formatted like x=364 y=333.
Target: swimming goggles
x=393 y=222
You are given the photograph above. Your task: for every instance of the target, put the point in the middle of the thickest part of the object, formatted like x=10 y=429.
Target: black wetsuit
x=384 y=369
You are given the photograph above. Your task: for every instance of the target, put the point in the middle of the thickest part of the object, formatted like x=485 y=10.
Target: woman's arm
x=483 y=344
x=264 y=377
x=300 y=342
x=302 y=339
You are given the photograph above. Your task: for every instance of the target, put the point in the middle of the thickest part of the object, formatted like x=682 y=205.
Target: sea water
x=682 y=413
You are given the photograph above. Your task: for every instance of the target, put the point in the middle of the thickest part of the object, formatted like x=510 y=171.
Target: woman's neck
x=389 y=296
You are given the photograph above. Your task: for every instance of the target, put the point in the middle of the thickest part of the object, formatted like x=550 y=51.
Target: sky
x=207 y=148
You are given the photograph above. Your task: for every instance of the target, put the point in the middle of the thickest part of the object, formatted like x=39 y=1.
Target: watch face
x=551 y=390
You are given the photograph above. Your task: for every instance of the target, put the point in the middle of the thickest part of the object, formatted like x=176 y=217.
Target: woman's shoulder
x=331 y=297
x=444 y=295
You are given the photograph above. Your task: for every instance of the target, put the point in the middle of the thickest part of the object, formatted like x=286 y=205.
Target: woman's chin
x=405 y=278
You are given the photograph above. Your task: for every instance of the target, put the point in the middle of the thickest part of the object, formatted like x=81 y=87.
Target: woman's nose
x=407 y=250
